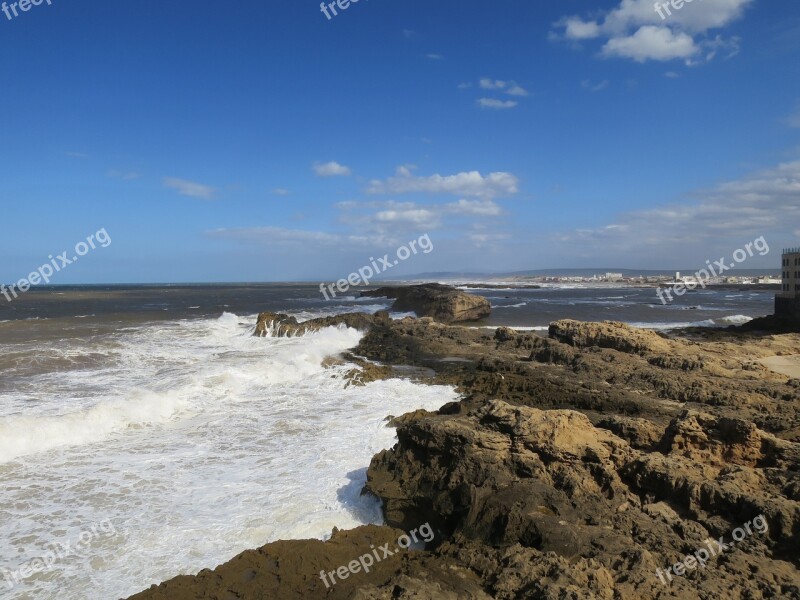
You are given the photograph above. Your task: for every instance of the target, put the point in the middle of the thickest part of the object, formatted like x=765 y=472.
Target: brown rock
x=282 y=325
x=440 y=302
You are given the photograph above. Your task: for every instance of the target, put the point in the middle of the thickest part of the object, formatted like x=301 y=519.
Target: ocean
x=638 y=306
x=145 y=433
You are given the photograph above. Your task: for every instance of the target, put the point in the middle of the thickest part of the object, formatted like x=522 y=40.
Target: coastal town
x=658 y=279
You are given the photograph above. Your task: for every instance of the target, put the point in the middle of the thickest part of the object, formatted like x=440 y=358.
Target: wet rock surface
x=283 y=325
x=581 y=465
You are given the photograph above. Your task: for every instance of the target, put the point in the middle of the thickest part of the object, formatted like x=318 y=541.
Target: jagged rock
x=366 y=371
x=639 y=433
x=578 y=511
x=282 y=325
x=504 y=334
x=440 y=302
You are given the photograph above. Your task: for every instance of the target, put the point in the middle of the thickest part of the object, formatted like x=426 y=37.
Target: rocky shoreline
x=579 y=465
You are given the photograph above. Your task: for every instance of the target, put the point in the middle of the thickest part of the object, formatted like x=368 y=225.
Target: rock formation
x=440 y=302
x=282 y=325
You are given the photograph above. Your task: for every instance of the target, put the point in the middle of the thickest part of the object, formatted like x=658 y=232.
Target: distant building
x=613 y=276
x=787 y=301
x=790 y=267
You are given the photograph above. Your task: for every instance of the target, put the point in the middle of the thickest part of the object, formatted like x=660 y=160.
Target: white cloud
x=405 y=170
x=389 y=220
x=652 y=43
x=421 y=217
x=576 y=28
x=486 y=208
x=517 y=90
x=696 y=17
x=189 y=188
x=482 y=239
x=489 y=84
x=711 y=47
x=595 y=87
x=331 y=169
x=392 y=220
x=280 y=192
x=434 y=56
x=495 y=104
x=471 y=184
x=274 y=235
x=732 y=213
x=500 y=86
x=365 y=226
x=296 y=239
x=635 y=30
x=512 y=88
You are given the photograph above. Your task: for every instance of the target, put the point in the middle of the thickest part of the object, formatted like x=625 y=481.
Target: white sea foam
x=337 y=309
x=23 y=435
x=721 y=322
x=397 y=316
x=736 y=319
x=663 y=326
x=195 y=439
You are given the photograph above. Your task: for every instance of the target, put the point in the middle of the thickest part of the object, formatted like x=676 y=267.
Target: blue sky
x=260 y=141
